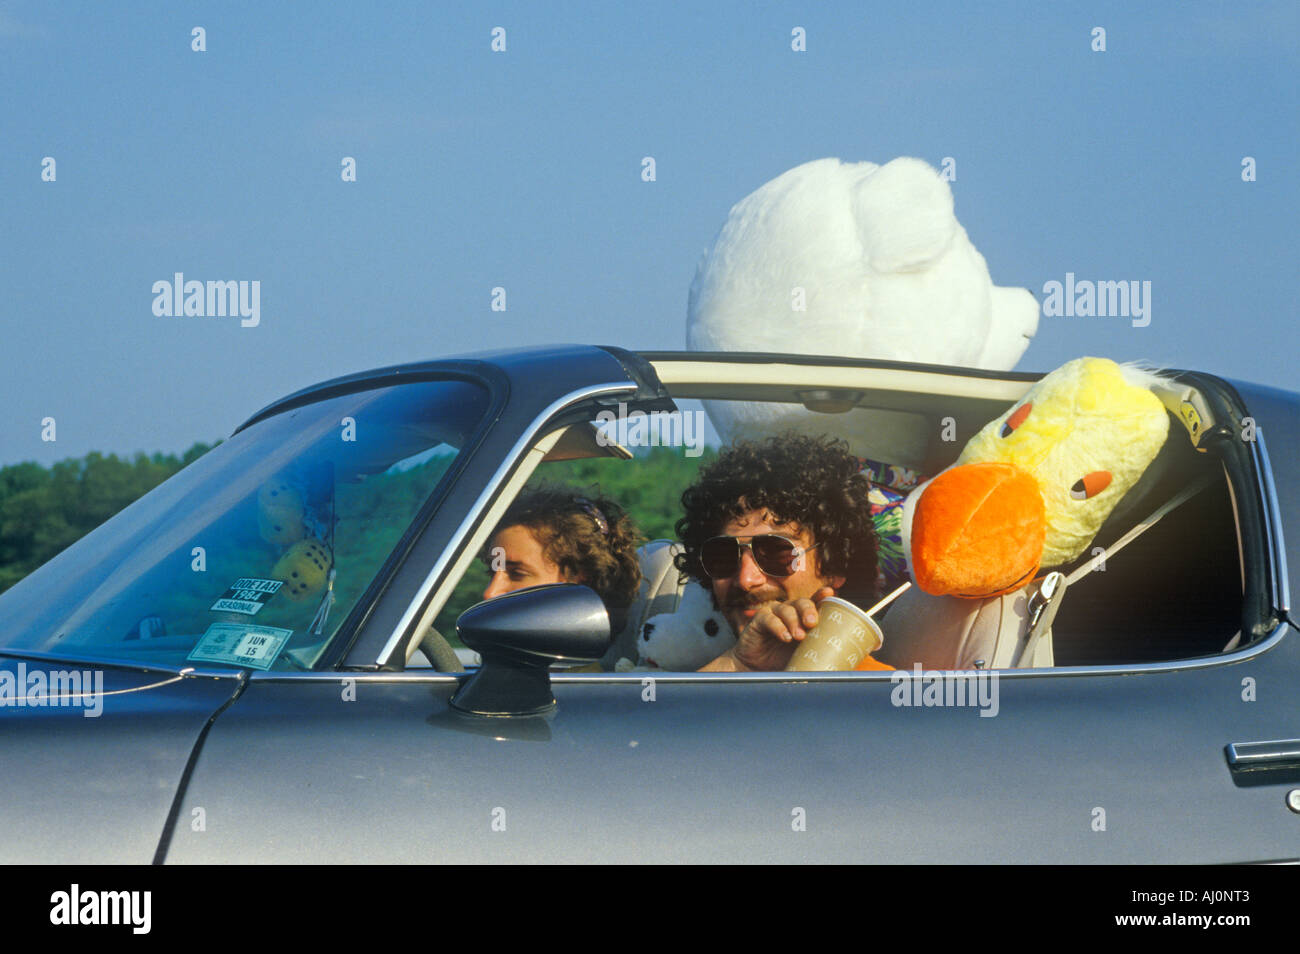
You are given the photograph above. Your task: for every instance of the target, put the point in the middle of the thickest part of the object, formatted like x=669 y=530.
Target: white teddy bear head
x=685 y=640
x=860 y=261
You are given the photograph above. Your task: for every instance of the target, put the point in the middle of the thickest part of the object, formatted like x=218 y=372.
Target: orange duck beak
x=978 y=531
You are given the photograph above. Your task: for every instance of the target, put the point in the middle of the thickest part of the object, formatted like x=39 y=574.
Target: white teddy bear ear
x=904 y=212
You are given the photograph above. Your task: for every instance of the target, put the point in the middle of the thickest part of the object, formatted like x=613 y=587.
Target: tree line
x=43 y=510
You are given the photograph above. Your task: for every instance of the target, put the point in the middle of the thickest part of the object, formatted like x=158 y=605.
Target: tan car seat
x=947 y=632
x=1013 y=631
x=660 y=592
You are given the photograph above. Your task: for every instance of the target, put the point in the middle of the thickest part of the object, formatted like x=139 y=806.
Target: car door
x=1089 y=767
x=1087 y=763
x=92 y=756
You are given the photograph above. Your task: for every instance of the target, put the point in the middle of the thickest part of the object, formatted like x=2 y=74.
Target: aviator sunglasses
x=775 y=555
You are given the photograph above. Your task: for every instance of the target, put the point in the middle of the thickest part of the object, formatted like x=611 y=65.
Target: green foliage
x=43 y=510
x=649 y=487
x=372 y=516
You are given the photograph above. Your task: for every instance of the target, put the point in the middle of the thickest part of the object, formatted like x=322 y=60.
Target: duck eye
x=1016 y=419
x=1089 y=485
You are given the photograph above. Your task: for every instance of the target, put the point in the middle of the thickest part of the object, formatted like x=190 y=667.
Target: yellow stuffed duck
x=1029 y=492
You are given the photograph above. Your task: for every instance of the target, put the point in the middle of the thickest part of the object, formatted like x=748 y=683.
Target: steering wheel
x=439 y=651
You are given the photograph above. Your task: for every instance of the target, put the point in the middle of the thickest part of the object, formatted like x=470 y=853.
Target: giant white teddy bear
x=855 y=260
x=881 y=268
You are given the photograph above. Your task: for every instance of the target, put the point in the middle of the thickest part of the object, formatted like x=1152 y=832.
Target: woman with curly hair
x=771 y=528
x=558 y=535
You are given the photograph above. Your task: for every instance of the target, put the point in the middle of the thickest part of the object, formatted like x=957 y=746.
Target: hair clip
x=591 y=509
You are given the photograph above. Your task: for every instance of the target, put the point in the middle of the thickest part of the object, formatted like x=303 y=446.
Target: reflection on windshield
x=256 y=553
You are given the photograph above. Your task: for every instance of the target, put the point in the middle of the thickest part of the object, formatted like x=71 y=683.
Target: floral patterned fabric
x=890 y=485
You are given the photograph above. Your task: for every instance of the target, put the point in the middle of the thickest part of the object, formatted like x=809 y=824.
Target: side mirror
x=519 y=635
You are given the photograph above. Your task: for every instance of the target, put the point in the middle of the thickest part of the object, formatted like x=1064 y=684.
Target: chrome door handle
x=1264 y=763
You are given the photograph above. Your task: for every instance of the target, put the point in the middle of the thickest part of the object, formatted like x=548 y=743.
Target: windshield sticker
x=241 y=644
x=247 y=595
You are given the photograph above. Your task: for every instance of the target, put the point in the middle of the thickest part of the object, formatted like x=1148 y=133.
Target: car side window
x=1173 y=592
x=648 y=485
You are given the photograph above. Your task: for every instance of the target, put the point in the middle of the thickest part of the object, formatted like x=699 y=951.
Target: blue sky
x=522 y=169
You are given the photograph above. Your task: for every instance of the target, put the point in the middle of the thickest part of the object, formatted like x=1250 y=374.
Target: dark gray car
x=198 y=681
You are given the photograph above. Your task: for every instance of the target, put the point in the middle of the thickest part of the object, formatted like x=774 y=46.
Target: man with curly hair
x=771 y=529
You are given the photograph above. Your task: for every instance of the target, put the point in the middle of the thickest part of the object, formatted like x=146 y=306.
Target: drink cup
x=843 y=637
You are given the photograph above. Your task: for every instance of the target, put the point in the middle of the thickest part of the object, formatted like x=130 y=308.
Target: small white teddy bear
x=685 y=640
x=856 y=260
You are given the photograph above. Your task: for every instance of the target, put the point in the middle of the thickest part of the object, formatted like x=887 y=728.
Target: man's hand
x=769 y=639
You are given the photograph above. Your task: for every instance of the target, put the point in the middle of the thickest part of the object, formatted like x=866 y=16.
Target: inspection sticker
x=247 y=595
x=241 y=644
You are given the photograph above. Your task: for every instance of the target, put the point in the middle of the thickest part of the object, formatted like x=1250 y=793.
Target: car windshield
x=255 y=554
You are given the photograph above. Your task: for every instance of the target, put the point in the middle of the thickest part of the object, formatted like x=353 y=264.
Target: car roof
x=524 y=370
x=761 y=357
x=576 y=365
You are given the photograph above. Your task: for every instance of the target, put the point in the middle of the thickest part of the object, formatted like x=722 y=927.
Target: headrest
x=660 y=592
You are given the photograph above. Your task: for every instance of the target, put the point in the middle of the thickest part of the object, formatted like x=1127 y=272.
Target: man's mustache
x=749 y=600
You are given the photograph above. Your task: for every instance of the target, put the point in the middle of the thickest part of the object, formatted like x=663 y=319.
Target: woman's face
x=516 y=560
